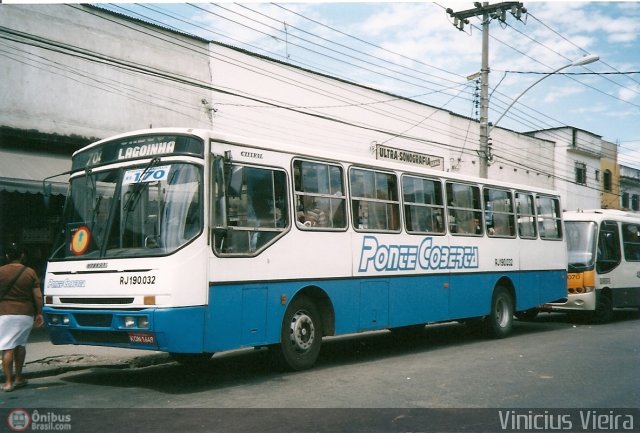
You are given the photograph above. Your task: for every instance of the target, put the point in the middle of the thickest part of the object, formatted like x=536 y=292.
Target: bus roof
x=319 y=153
x=601 y=214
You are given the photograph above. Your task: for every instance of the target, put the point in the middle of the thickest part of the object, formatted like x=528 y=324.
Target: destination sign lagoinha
x=409 y=157
x=139 y=147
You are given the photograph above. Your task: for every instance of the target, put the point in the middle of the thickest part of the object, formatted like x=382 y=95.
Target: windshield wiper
x=579 y=267
x=138 y=187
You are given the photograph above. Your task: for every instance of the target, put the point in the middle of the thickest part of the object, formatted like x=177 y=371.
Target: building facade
x=585 y=167
x=76 y=73
x=629 y=189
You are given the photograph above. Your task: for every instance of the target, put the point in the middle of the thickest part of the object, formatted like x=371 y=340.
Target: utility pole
x=495 y=11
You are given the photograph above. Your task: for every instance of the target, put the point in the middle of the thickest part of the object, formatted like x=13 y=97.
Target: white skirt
x=14 y=331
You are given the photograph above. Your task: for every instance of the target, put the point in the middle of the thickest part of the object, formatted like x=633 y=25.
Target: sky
x=412 y=49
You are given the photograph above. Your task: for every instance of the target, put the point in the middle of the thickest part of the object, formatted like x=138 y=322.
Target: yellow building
x=609 y=176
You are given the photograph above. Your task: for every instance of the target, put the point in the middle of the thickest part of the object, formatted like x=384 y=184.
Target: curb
x=55 y=365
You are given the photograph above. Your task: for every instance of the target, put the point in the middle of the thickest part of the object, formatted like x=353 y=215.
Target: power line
x=369 y=43
x=572 y=43
x=301 y=110
x=571 y=73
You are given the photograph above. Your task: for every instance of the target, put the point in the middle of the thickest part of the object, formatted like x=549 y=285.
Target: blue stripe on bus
x=250 y=314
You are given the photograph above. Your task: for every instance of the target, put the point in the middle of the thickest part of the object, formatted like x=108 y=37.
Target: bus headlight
x=581 y=289
x=59 y=319
x=135 y=322
x=143 y=322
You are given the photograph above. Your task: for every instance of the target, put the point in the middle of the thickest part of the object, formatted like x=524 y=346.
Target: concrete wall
x=72 y=93
x=292 y=104
x=56 y=84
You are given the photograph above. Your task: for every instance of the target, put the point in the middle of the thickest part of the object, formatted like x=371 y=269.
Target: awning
x=25 y=171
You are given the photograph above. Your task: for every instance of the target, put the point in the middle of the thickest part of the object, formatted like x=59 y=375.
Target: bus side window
x=549 y=218
x=499 y=217
x=465 y=209
x=374 y=200
x=423 y=205
x=526 y=215
x=256 y=210
x=631 y=241
x=319 y=192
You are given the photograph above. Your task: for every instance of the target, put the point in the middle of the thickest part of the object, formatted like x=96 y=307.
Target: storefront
x=31 y=200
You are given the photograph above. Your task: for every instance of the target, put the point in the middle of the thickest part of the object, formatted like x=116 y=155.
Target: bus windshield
x=581 y=245
x=145 y=210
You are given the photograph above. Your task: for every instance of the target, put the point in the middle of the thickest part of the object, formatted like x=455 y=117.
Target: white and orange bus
x=604 y=262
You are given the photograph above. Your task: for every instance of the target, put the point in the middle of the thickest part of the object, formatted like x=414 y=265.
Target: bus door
x=608 y=253
x=628 y=295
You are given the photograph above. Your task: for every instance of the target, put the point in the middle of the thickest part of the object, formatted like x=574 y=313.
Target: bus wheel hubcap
x=302 y=331
x=502 y=312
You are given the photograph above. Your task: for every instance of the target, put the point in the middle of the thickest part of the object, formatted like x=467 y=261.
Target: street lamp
x=485 y=153
x=580 y=62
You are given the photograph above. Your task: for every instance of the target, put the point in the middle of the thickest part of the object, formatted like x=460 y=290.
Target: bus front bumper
x=159 y=329
x=574 y=302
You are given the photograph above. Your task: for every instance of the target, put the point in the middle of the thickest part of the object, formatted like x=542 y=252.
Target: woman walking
x=20 y=303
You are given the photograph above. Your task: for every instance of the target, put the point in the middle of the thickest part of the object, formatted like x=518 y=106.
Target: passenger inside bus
x=310 y=214
x=631 y=241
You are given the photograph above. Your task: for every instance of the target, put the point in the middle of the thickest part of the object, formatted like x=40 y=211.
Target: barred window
x=625 y=200
x=581 y=173
x=606 y=179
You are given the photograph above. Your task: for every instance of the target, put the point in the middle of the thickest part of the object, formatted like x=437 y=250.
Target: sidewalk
x=45 y=359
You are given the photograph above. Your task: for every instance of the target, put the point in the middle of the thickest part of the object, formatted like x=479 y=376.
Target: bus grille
x=118 y=301
x=96 y=320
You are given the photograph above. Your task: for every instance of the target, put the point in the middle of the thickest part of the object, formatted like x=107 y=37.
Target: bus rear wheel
x=301 y=335
x=499 y=322
x=604 y=309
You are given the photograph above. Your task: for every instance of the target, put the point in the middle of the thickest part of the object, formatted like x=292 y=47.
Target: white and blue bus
x=189 y=242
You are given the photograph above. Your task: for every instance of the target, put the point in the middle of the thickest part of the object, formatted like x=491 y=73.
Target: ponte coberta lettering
x=425 y=256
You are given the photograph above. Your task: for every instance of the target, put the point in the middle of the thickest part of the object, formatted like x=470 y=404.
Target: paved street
x=552 y=362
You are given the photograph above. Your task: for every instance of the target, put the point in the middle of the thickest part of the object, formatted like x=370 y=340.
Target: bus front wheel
x=499 y=322
x=301 y=335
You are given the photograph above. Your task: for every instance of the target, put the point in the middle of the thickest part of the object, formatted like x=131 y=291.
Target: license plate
x=141 y=338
